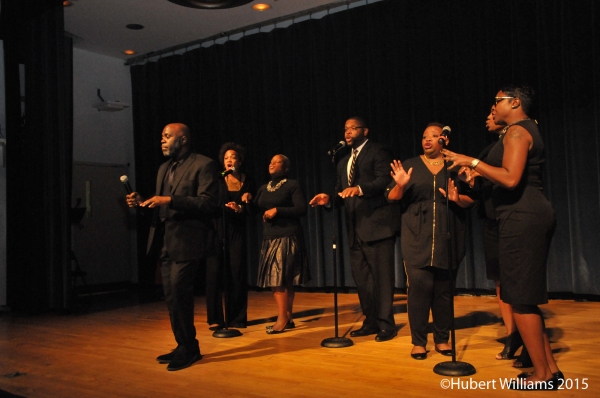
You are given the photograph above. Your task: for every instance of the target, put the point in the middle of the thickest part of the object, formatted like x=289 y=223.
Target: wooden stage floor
x=112 y=353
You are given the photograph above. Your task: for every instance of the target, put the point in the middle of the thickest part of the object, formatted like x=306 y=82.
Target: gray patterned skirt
x=283 y=262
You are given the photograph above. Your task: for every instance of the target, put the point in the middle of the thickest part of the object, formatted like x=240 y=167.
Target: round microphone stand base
x=454 y=368
x=337 y=342
x=226 y=333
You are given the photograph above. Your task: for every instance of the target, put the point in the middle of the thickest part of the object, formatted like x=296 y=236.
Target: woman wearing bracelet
x=418 y=183
x=526 y=223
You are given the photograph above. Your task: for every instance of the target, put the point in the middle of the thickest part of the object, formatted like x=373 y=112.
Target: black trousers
x=374 y=274
x=178 y=286
x=232 y=286
x=429 y=290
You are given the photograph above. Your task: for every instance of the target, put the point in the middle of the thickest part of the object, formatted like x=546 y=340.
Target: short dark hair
x=436 y=124
x=286 y=162
x=232 y=146
x=361 y=120
x=524 y=93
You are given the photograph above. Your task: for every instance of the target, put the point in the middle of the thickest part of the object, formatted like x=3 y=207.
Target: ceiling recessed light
x=261 y=7
x=67 y=3
x=134 y=26
x=129 y=52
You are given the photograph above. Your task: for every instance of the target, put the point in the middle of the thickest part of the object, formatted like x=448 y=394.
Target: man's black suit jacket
x=188 y=229
x=369 y=217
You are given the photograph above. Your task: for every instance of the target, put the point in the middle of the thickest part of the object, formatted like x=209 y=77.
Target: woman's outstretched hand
x=399 y=174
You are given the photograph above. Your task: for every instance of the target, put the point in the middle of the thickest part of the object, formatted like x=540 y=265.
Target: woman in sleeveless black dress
x=526 y=223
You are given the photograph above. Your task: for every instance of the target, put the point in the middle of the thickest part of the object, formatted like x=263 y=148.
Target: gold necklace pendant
x=271 y=188
x=433 y=163
x=233 y=185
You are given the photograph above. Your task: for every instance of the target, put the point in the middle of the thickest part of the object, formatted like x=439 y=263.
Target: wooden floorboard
x=112 y=353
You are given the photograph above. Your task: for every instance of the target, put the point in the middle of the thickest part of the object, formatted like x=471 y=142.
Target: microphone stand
x=454 y=367
x=225 y=267
x=335 y=342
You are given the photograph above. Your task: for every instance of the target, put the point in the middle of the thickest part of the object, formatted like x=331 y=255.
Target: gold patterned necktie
x=351 y=174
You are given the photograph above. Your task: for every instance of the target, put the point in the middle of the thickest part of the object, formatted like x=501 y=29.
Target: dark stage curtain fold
x=401 y=64
x=39 y=156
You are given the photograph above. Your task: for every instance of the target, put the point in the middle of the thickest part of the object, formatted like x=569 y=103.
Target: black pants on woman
x=429 y=290
x=234 y=284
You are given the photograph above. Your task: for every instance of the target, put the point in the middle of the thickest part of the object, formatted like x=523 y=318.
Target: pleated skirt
x=283 y=262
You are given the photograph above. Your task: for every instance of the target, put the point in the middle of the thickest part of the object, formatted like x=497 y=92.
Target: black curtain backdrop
x=401 y=64
x=39 y=154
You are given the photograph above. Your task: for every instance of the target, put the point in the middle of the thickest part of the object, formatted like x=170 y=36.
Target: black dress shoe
x=363 y=331
x=216 y=327
x=183 y=361
x=165 y=358
x=447 y=353
x=524 y=385
x=290 y=325
x=385 y=335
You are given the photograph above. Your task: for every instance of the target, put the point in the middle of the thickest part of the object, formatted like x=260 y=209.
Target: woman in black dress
x=236 y=193
x=526 y=223
x=513 y=340
x=418 y=183
x=283 y=260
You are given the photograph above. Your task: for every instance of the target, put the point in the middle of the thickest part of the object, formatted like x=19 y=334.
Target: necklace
x=434 y=163
x=271 y=188
x=233 y=184
x=505 y=129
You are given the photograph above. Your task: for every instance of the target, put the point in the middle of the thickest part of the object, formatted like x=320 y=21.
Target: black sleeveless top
x=531 y=184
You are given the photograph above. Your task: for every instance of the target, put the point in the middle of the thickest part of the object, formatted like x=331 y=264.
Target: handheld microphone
x=227 y=172
x=125 y=180
x=445 y=133
x=336 y=148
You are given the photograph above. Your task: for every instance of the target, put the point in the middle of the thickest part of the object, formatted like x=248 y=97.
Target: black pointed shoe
x=363 y=331
x=181 y=361
x=165 y=358
x=524 y=385
x=446 y=353
x=385 y=335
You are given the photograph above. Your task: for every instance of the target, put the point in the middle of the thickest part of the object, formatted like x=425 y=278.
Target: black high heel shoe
x=511 y=344
x=559 y=376
x=551 y=384
x=270 y=330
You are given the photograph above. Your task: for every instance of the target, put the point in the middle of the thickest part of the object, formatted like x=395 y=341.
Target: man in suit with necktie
x=186 y=198
x=372 y=222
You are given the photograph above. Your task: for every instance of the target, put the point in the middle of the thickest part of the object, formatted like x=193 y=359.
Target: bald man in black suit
x=186 y=198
